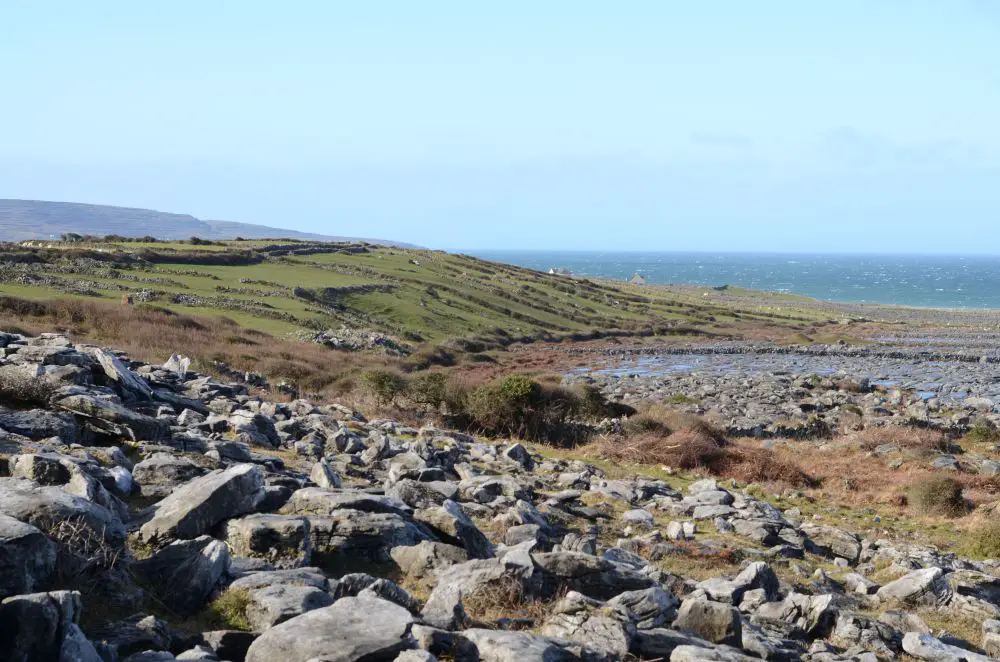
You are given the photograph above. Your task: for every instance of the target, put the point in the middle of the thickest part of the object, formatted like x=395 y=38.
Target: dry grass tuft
x=700 y=447
x=959 y=625
x=696 y=562
x=151 y=334
x=226 y=612
x=505 y=601
x=925 y=442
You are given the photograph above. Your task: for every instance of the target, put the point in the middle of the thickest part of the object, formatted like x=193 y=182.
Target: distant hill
x=39 y=219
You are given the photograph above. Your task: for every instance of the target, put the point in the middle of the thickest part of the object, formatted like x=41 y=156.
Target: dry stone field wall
x=135 y=500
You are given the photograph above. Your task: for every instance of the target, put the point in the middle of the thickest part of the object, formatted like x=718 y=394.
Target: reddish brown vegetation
x=152 y=334
x=913 y=439
x=701 y=447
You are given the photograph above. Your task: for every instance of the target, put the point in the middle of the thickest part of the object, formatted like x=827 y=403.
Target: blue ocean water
x=938 y=281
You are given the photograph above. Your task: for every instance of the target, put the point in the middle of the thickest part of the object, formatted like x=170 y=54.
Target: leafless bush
x=87 y=549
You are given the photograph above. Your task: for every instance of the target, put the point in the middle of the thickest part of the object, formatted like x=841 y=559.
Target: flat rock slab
x=352 y=629
x=323 y=501
x=720 y=654
x=195 y=508
x=39 y=424
x=46 y=507
x=296 y=576
x=926 y=647
x=927 y=586
x=271 y=605
x=505 y=646
x=592 y=576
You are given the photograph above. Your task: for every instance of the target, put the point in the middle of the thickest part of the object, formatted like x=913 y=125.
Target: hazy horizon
x=781 y=127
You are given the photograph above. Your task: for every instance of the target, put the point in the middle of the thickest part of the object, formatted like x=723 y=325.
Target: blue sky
x=855 y=125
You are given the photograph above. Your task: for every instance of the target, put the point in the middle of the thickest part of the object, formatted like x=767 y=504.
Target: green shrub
x=518 y=406
x=502 y=406
x=428 y=389
x=593 y=404
x=456 y=402
x=984 y=541
x=983 y=432
x=680 y=399
x=938 y=496
x=384 y=385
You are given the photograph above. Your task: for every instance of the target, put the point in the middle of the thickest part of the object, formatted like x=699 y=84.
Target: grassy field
x=420 y=296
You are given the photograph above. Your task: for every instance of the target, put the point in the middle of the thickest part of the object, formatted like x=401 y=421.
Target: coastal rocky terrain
x=150 y=513
x=768 y=390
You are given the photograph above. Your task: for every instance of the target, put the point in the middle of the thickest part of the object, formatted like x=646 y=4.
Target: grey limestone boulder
x=714 y=621
x=39 y=424
x=205 y=502
x=927 y=647
x=113 y=418
x=506 y=646
x=297 y=576
x=926 y=587
x=713 y=654
x=27 y=557
x=49 y=507
x=590 y=575
x=757 y=575
x=185 y=573
x=321 y=501
x=832 y=542
x=452 y=525
x=269 y=605
x=135 y=634
x=427 y=558
x=602 y=627
x=324 y=475
x=158 y=474
x=351 y=630
x=37 y=626
x=281 y=540
x=649 y=608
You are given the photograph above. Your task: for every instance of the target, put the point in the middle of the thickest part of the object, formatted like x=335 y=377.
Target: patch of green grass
x=984 y=541
x=431 y=295
x=983 y=432
x=226 y=612
x=955 y=623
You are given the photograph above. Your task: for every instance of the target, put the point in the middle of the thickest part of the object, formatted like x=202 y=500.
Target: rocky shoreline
x=134 y=499
x=766 y=390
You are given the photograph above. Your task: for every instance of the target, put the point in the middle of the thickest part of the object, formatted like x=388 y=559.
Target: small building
x=637 y=279
x=559 y=271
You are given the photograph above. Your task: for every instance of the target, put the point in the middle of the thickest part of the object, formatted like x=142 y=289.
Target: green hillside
x=416 y=295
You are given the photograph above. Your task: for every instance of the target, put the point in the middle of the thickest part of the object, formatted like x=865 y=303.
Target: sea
x=936 y=281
